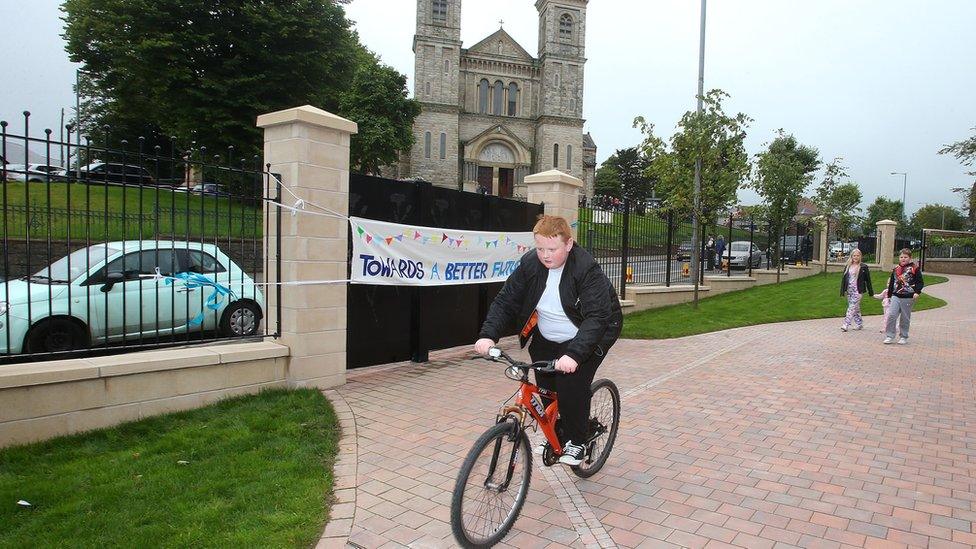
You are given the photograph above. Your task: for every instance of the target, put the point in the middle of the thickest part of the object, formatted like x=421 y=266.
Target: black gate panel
x=395 y=323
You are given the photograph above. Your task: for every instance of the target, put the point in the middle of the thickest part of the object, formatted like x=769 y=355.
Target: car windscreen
x=75 y=264
x=740 y=246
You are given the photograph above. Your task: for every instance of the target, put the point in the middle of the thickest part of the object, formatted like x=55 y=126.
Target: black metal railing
x=647 y=246
x=129 y=247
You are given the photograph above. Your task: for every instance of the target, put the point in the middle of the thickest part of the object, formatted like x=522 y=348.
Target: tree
x=965 y=152
x=203 y=70
x=719 y=138
x=847 y=198
x=825 y=198
x=937 y=216
x=631 y=167
x=883 y=208
x=606 y=182
x=783 y=173
x=377 y=100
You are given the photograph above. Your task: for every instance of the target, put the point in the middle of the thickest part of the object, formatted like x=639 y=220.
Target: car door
x=202 y=263
x=127 y=304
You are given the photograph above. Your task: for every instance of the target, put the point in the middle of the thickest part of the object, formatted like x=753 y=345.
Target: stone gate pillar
x=309 y=147
x=558 y=191
x=885 y=254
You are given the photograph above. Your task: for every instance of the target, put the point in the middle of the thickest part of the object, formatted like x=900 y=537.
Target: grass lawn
x=645 y=231
x=111 y=212
x=816 y=296
x=258 y=474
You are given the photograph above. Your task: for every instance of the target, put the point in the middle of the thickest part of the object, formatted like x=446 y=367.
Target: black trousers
x=573 y=390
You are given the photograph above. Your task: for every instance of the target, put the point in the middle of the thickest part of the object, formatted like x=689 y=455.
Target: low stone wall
x=47 y=399
x=802 y=271
x=957 y=266
x=652 y=297
x=724 y=284
x=768 y=276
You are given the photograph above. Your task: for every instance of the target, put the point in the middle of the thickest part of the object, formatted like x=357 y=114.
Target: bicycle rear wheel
x=602 y=428
x=491 y=486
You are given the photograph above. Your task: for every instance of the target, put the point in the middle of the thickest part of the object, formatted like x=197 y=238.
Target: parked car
x=210 y=189
x=743 y=254
x=33 y=172
x=111 y=172
x=789 y=250
x=96 y=296
x=684 y=251
x=842 y=249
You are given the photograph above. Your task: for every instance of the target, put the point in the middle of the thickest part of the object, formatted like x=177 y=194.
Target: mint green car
x=99 y=295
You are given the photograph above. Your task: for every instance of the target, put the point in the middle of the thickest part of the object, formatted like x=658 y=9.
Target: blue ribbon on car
x=197 y=280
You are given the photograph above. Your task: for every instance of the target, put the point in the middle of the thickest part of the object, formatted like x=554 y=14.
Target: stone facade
x=492 y=113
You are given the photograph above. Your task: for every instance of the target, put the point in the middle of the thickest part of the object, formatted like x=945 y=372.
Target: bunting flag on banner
x=432 y=256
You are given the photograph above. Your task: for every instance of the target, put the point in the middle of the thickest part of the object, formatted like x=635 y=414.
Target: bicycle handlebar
x=543 y=366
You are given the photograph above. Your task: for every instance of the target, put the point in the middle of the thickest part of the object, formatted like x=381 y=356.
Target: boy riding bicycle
x=560 y=298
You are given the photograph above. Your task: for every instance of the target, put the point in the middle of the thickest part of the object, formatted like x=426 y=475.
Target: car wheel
x=56 y=335
x=241 y=319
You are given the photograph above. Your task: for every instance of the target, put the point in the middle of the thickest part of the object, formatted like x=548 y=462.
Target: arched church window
x=556 y=79
x=499 y=98
x=569 y=157
x=447 y=66
x=427 y=145
x=566 y=27
x=443 y=145
x=555 y=155
x=512 y=98
x=439 y=11
x=427 y=88
x=483 y=96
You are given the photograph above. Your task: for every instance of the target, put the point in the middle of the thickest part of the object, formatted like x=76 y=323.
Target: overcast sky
x=882 y=83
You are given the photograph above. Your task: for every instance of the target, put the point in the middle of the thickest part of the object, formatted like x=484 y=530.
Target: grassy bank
x=812 y=297
x=109 y=212
x=253 y=471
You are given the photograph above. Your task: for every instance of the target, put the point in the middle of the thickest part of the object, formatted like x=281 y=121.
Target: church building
x=492 y=113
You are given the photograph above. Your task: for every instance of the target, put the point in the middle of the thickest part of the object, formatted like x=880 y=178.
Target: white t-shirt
x=554 y=325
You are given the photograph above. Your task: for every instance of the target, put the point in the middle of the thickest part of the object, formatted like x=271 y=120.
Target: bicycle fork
x=496 y=454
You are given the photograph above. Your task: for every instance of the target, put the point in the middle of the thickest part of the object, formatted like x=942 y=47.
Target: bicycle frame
x=529 y=403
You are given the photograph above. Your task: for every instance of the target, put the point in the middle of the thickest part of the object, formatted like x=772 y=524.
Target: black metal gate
x=395 y=323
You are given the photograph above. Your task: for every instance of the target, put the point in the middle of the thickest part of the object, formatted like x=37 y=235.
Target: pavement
x=780 y=435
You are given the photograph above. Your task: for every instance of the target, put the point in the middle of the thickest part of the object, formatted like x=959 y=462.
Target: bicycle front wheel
x=602 y=427
x=491 y=486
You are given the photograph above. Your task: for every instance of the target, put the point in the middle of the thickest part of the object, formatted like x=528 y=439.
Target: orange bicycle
x=486 y=502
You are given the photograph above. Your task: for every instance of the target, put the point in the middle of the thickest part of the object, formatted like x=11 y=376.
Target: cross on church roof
x=501 y=23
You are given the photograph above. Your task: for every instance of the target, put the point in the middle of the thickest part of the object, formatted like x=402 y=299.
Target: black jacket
x=863 y=280
x=913 y=282
x=588 y=299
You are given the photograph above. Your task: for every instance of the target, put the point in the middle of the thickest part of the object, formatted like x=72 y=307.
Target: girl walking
x=856 y=280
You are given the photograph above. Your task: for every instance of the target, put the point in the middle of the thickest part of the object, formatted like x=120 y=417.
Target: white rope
x=301 y=202
x=159 y=276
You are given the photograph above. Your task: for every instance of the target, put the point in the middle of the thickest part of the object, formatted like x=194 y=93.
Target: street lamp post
x=695 y=221
x=903 y=189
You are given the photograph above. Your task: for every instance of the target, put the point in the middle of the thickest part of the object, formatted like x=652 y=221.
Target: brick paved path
x=792 y=434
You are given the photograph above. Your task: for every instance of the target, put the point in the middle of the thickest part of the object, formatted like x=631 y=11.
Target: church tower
x=562 y=39
x=437 y=54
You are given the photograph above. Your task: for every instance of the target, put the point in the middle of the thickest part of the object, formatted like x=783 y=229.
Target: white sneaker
x=859 y=328
x=572 y=454
x=888 y=341
x=540 y=448
x=903 y=341
x=843 y=328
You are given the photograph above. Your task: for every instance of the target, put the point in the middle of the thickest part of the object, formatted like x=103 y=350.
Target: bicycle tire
x=596 y=463
x=504 y=430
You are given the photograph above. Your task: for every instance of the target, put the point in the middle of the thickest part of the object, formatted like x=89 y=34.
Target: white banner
x=405 y=255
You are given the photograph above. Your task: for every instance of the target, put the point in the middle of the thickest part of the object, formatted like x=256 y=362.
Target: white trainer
x=888 y=341
x=903 y=341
